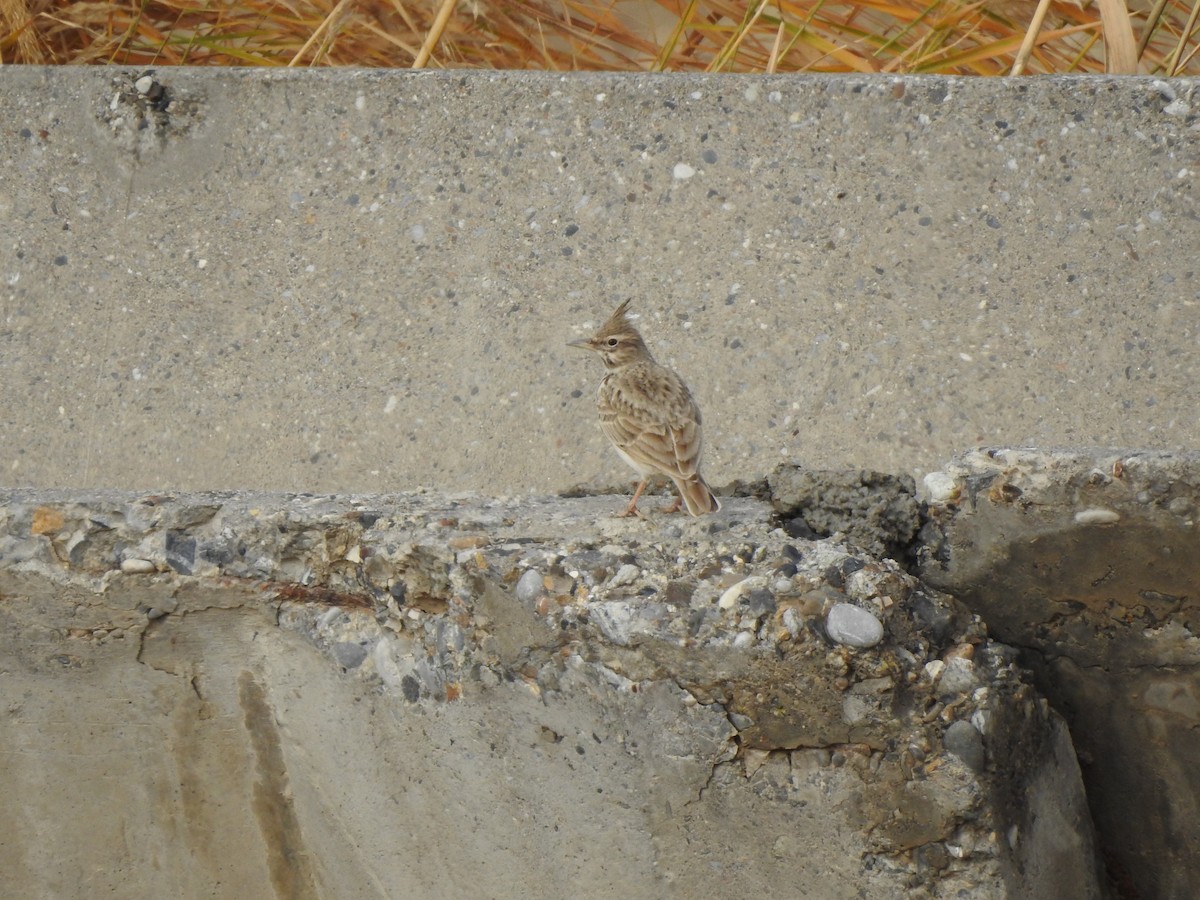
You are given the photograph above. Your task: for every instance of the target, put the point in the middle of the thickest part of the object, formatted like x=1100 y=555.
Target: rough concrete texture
x=1087 y=560
x=873 y=510
x=426 y=696
x=364 y=281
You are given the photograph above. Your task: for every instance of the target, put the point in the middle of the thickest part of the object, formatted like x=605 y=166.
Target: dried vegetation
x=966 y=37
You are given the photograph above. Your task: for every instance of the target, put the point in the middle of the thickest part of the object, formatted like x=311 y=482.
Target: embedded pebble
x=137 y=566
x=733 y=594
x=964 y=741
x=683 y=171
x=787 y=846
x=853 y=626
x=1180 y=506
x=855 y=710
x=330 y=616
x=743 y=639
x=1097 y=516
x=1177 y=107
x=349 y=654
x=941 y=487
x=740 y=721
x=529 y=586
x=958 y=676
x=1164 y=88
x=792 y=621
x=627 y=574
x=760 y=602
x=144 y=84
x=615 y=620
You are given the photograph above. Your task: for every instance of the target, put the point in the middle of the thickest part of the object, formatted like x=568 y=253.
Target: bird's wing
x=655 y=421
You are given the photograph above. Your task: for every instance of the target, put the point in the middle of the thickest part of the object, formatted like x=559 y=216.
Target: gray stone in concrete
x=364 y=280
x=1087 y=559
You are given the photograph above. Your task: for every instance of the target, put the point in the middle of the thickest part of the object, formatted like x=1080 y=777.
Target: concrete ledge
x=363 y=281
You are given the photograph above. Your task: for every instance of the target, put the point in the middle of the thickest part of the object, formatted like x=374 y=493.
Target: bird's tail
x=697 y=495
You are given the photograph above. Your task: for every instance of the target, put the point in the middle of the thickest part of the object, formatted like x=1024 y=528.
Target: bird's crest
x=619 y=322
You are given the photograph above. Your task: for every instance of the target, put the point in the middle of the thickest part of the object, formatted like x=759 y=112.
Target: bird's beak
x=584 y=343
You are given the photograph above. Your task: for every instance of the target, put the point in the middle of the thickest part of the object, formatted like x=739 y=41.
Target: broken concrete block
x=1087 y=560
x=286 y=711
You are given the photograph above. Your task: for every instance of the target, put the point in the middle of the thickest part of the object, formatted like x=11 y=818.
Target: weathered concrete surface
x=364 y=281
x=423 y=696
x=872 y=510
x=1088 y=560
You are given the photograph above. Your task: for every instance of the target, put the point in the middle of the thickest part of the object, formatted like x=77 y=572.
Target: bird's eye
x=612 y=342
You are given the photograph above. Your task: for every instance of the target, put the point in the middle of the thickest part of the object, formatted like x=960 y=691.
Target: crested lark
x=648 y=414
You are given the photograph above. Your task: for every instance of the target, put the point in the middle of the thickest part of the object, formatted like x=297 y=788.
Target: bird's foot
x=630 y=512
x=632 y=509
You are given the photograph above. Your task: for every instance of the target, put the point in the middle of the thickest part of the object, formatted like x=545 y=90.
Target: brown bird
x=648 y=414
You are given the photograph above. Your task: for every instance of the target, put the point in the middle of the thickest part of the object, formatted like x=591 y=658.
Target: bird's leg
x=632 y=510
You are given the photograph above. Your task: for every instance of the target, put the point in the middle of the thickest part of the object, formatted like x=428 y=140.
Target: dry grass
x=942 y=36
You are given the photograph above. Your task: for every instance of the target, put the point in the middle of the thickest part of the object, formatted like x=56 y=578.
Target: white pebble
x=731 y=596
x=941 y=487
x=529 y=586
x=853 y=626
x=792 y=621
x=683 y=171
x=137 y=566
x=144 y=84
x=1096 y=516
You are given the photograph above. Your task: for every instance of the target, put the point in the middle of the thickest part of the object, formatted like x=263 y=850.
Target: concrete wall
x=365 y=280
